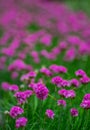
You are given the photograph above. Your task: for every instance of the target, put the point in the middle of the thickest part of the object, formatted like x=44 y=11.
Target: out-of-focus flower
x=86 y=101
x=21 y=122
x=22 y=96
x=61 y=103
x=80 y=73
x=5 y=85
x=15 y=111
x=46 y=71
x=74 y=112
x=67 y=93
x=85 y=79
x=13 y=87
x=74 y=82
x=49 y=113
x=41 y=90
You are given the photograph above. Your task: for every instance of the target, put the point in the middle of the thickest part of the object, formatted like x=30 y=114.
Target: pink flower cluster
x=10 y=87
x=57 y=69
x=22 y=96
x=21 y=122
x=67 y=93
x=84 y=78
x=60 y=82
x=61 y=103
x=74 y=112
x=49 y=113
x=41 y=91
x=15 y=111
x=46 y=71
x=86 y=101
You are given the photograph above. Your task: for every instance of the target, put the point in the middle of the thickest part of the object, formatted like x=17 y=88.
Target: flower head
x=74 y=112
x=49 y=113
x=21 y=122
x=61 y=103
x=15 y=111
x=40 y=90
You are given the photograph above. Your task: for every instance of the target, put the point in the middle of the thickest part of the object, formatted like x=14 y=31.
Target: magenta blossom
x=61 y=103
x=49 y=113
x=57 y=80
x=41 y=90
x=80 y=73
x=5 y=85
x=86 y=101
x=13 y=87
x=74 y=82
x=15 y=111
x=74 y=112
x=46 y=71
x=22 y=96
x=21 y=122
x=67 y=93
x=85 y=79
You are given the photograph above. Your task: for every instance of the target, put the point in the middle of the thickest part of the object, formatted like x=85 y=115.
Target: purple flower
x=85 y=104
x=80 y=73
x=21 y=122
x=5 y=85
x=46 y=39
x=13 y=87
x=28 y=76
x=85 y=79
x=87 y=96
x=67 y=93
x=14 y=75
x=58 y=69
x=74 y=112
x=15 y=111
x=61 y=103
x=86 y=101
x=74 y=82
x=45 y=71
x=49 y=113
x=40 y=90
x=22 y=96
x=65 y=83
x=57 y=80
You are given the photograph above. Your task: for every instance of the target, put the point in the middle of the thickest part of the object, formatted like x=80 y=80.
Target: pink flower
x=58 y=69
x=67 y=93
x=21 y=122
x=22 y=96
x=49 y=113
x=65 y=83
x=74 y=82
x=61 y=103
x=86 y=101
x=46 y=71
x=85 y=79
x=46 y=39
x=70 y=54
x=80 y=73
x=87 y=96
x=63 y=45
x=18 y=64
x=85 y=104
x=13 y=87
x=74 y=112
x=40 y=90
x=57 y=80
x=14 y=75
x=28 y=76
x=15 y=111
x=5 y=85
